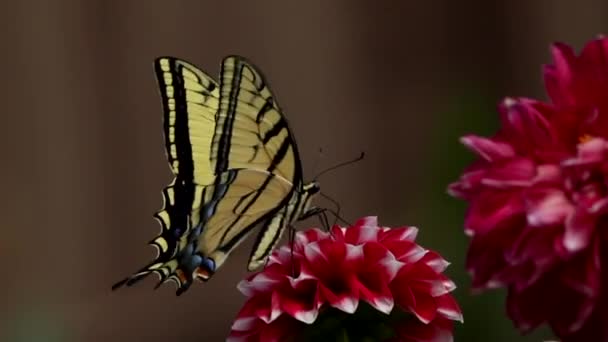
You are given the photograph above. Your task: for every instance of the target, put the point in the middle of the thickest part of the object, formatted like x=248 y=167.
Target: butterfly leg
x=292 y=238
x=336 y=214
x=338 y=217
x=324 y=221
x=321 y=214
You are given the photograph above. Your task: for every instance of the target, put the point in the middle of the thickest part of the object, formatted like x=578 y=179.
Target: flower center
x=587 y=186
x=366 y=324
x=584 y=138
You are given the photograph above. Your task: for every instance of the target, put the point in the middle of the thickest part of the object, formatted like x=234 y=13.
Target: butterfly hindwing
x=248 y=198
x=190 y=101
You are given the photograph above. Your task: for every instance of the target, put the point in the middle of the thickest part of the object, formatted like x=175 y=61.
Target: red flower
x=340 y=275
x=539 y=197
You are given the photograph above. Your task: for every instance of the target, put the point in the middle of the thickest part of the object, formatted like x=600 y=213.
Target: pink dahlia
x=363 y=281
x=538 y=200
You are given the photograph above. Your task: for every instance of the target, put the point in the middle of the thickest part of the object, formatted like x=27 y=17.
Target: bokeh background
x=83 y=161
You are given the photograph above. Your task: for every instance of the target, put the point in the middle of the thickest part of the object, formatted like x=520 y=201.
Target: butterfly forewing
x=251 y=131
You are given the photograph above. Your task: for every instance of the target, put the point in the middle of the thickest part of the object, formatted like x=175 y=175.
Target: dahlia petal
x=361 y=234
x=599 y=207
x=552 y=82
x=399 y=234
x=528 y=127
x=282 y=255
x=424 y=279
x=367 y=221
x=275 y=308
x=467 y=184
x=592 y=151
x=488 y=149
x=313 y=252
x=409 y=233
x=413 y=331
x=379 y=259
x=526 y=310
x=564 y=58
x=568 y=322
x=425 y=309
x=486 y=254
x=259 y=307
x=310 y=235
x=547 y=206
x=244 y=323
x=405 y=251
x=346 y=302
x=301 y=309
x=279 y=330
x=448 y=307
x=583 y=274
x=435 y=261
x=579 y=230
x=548 y=174
x=515 y=172
x=353 y=253
x=379 y=297
x=535 y=246
x=559 y=76
x=491 y=208
x=260 y=282
x=448 y=284
x=594 y=53
x=338 y=233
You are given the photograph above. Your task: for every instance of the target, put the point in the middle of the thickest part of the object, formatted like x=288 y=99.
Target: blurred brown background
x=83 y=159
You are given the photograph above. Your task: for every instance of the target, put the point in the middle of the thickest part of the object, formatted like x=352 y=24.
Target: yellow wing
x=269 y=237
x=190 y=102
x=236 y=165
x=298 y=206
x=247 y=197
x=251 y=132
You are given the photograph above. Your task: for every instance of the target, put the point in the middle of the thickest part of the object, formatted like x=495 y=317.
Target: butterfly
x=236 y=166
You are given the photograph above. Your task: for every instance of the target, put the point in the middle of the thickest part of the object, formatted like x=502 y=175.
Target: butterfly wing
x=227 y=181
x=190 y=100
x=247 y=198
x=252 y=133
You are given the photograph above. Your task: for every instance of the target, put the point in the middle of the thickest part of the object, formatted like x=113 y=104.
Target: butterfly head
x=312 y=188
x=309 y=191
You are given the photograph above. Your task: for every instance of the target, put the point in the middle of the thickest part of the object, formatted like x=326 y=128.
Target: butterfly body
x=236 y=166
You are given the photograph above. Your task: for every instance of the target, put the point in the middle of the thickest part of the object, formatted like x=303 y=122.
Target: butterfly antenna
x=360 y=157
x=316 y=164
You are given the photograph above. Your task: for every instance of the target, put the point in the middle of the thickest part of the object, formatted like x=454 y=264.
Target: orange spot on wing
x=181 y=275
x=202 y=274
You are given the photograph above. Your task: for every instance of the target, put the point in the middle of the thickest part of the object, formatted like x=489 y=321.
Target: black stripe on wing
x=177 y=143
x=226 y=137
